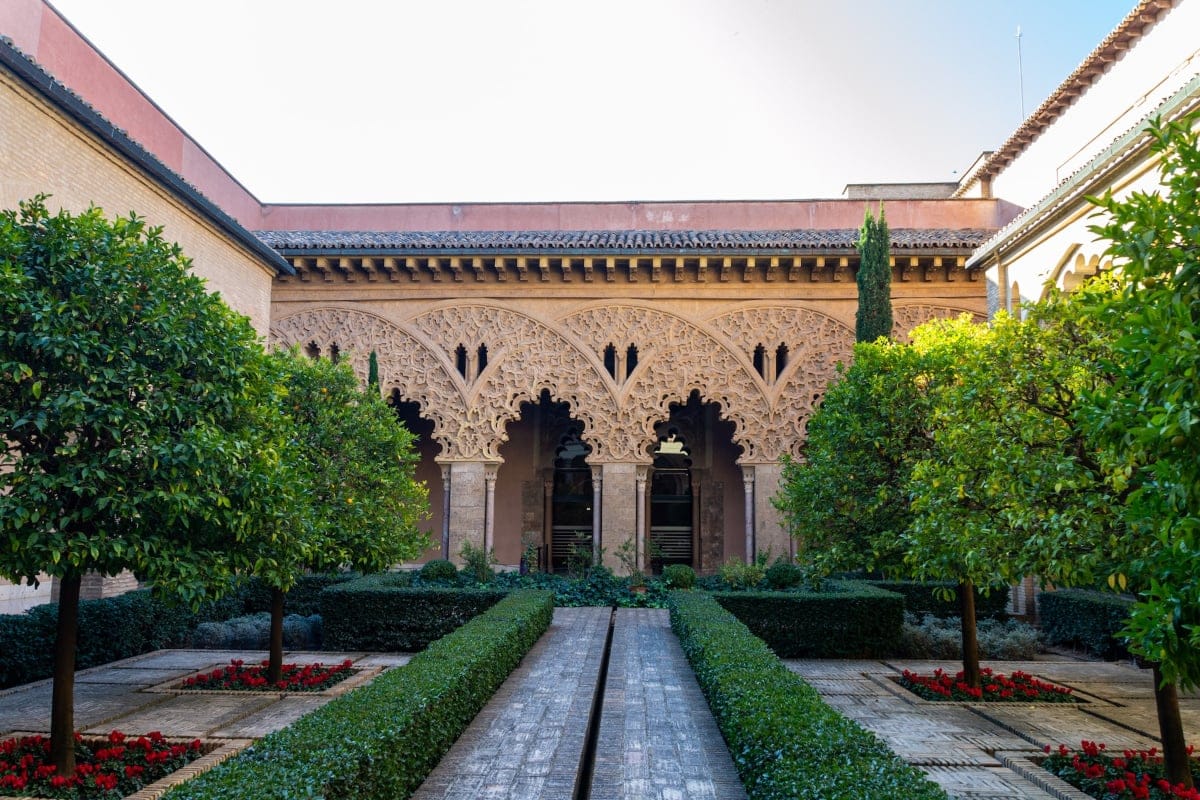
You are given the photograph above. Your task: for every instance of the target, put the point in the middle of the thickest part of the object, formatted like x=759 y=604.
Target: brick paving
x=983 y=751
x=658 y=740
x=528 y=742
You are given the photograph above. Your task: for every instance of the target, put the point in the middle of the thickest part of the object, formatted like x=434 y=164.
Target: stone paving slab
x=192 y=715
x=272 y=717
x=658 y=740
x=96 y=704
x=132 y=677
x=528 y=741
x=982 y=751
x=190 y=659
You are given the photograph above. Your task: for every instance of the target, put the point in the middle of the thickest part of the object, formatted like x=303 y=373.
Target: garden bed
x=1131 y=775
x=1017 y=687
x=237 y=677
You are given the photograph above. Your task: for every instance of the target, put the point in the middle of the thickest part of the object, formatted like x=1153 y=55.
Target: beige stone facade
x=503 y=359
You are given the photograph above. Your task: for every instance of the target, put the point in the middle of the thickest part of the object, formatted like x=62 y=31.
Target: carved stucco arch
x=907 y=316
x=817 y=343
x=676 y=356
x=525 y=357
x=406 y=363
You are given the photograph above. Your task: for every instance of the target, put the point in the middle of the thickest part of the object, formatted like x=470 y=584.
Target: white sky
x=527 y=100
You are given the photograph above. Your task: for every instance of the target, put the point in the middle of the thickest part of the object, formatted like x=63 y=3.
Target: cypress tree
x=874 y=317
x=373 y=371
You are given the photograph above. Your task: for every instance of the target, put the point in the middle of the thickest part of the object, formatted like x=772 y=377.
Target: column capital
x=748 y=475
x=597 y=474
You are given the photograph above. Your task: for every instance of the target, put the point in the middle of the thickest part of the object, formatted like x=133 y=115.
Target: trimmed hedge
x=110 y=629
x=303 y=599
x=380 y=613
x=785 y=741
x=1086 y=619
x=382 y=740
x=919 y=598
x=847 y=619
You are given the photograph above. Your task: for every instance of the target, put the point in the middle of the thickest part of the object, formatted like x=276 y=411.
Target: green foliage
x=847 y=502
x=595 y=587
x=940 y=598
x=940 y=638
x=382 y=613
x=373 y=372
x=679 y=576
x=382 y=740
x=253 y=632
x=783 y=574
x=846 y=619
x=1082 y=618
x=125 y=390
x=785 y=741
x=874 y=316
x=109 y=629
x=478 y=563
x=304 y=598
x=438 y=569
x=740 y=576
x=1147 y=420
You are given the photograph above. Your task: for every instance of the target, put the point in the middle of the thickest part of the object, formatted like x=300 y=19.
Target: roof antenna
x=1020 y=74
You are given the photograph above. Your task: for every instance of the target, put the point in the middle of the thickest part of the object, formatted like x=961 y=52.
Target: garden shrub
x=109 y=630
x=921 y=597
x=439 y=570
x=1081 y=618
x=304 y=598
x=785 y=741
x=679 y=576
x=478 y=562
x=253 y=632
x=845 y=619
x=740 y=576
x=382 y=740
x=784 y=575
x=381 y=613
x=928 y=636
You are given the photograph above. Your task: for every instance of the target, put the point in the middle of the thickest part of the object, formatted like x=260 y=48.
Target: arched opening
x=481 y=354
x=781 y=359
x=631 y=360
x=696 y=502
x=428 y=470
x=610 y=360
x=544 y=488
x=335 y=353
x=760 y=361
x=312 y=351
x=460 y=360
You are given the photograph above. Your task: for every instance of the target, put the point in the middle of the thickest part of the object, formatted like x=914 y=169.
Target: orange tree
x=124 y=387
x=353 y=499
x=1147 y=420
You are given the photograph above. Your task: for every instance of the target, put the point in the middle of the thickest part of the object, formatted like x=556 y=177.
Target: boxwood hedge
x=846 y=619
x=785 y=741
x=382 y=613
x=920 y=597
x=1090 y=620
x=382 y=740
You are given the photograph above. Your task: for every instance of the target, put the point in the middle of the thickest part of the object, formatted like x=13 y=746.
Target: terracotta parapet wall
x=703 y=215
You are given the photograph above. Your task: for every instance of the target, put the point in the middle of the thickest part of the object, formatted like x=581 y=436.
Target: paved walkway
x=657 y=737
x=982 y=751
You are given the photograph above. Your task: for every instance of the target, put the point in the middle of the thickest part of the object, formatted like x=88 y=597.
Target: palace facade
x=583 y=375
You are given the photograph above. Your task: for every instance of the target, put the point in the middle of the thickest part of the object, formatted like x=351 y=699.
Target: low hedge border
x=1091 y=620
x=846 y=619
x=785 y=741
x=382 y=740
x=919 y=598
x=382 y=613
x=109 y=630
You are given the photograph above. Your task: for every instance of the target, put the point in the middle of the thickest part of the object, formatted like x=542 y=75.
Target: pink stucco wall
x=744 y=215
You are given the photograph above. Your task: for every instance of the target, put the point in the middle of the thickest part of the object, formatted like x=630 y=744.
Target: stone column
x=547 y=522
x=643 y=474
x=489 y=518
x=618 y=521
x=468 y=505
x=769 y=531
x=597 y=504
x=748 y=488
x=446 y=511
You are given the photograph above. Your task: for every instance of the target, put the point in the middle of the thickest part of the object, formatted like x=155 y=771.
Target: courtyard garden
x=147 y=430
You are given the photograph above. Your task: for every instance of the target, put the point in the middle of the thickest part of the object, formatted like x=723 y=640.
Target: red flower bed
x=1133 y=775
x=111 y=768
x=1019 y=687
x=296 y=677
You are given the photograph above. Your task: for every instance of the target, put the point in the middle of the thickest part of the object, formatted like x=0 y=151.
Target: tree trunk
x=62 y=698
x=970 y=642
x=1170 y=729
x=275 y=664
